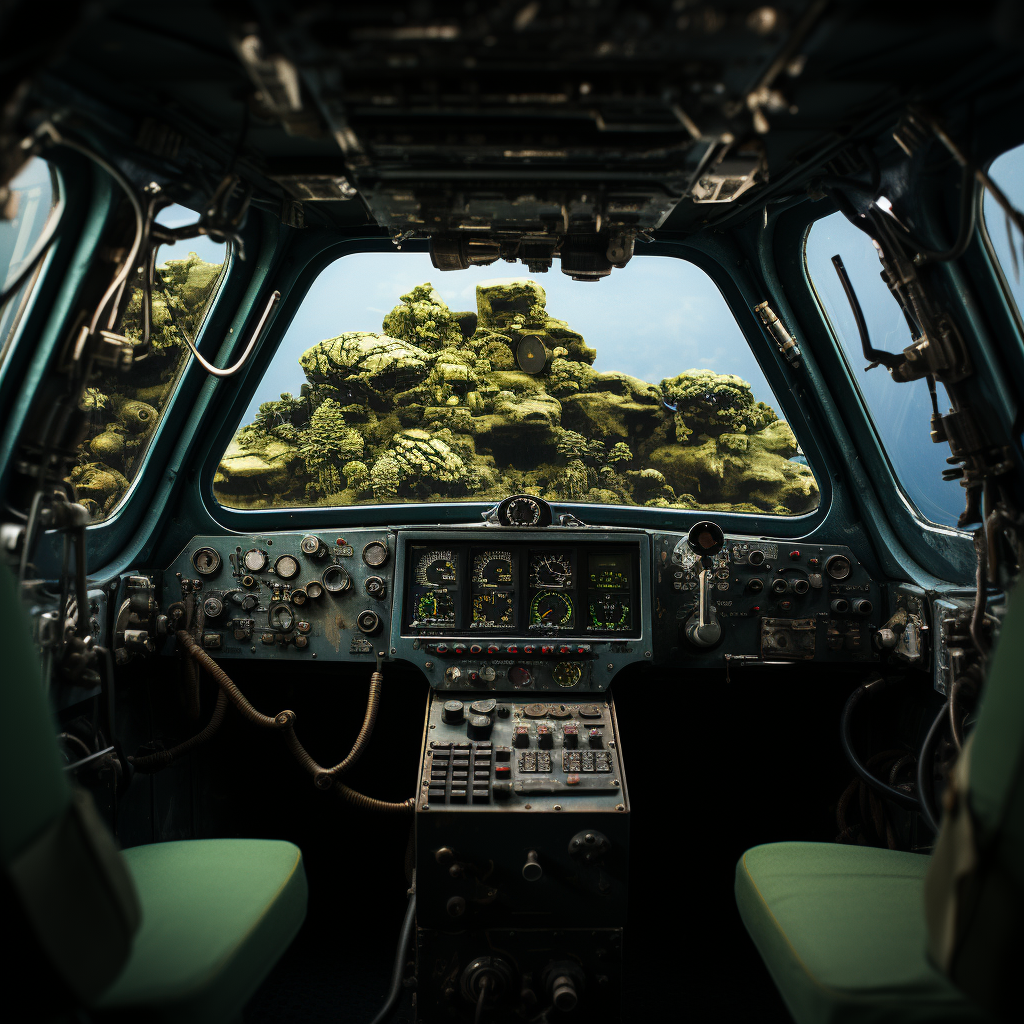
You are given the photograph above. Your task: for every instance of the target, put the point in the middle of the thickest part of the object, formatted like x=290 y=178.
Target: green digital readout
x=609 y=572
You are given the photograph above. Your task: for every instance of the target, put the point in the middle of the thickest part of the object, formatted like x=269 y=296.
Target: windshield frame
x=295 y=292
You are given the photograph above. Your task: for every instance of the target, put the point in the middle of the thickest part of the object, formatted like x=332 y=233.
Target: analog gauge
x=255 y=560
x=299 y=596
x=335 y=580
x=492 y=569
x=281 y=617
x=566 y=673
x=838 y=567
x=435 y=608
x=375 y=553
x=609 y=611
x=206 y=561
x=523 y=511
x=551 y=572
x=436 y=569
x=287 y=566
x=493 y=609
x=313 y=590
x=549 y=608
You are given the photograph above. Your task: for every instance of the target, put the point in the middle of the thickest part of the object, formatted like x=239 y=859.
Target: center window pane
x=395 y=383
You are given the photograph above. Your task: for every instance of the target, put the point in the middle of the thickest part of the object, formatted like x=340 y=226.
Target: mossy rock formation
x=434 y=408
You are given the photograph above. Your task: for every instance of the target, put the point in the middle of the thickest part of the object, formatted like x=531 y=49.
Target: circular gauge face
x=299 y=596
x=206 y=561
x=493 y=569
x=335 y=579
x=609 y=611
x=287 y=567
x=314 y=590
x=838 y=567
x=281 y=617
x=549 y=608
x=436 y=569
x=566 y=673
x=435 y=608
x=493 y=609
x=551 y=572
x=523 y=511
x=375 y=553
x=254 y=560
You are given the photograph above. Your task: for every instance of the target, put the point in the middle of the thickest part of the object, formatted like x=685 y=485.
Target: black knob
x=544 y=738
x=780 y=586
x=478 y=727
x=250 y=602
x=595 y=737
x=755 y=585
x=840 y=606
x=570 y=737
x=755 y=557
x=801 y=586
x=862 y=606
x=522 y=736
x=452 y=712
x=532 y=869
x=368 y=622
x=375 y=587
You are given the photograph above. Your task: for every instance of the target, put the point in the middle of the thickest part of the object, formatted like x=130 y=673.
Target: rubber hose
x=162 y=758
x=954 y=725
x=369 y=803
x=896 y=795
x=924 y=769
x=223 y=680
x=404 y=938
x=324 y=776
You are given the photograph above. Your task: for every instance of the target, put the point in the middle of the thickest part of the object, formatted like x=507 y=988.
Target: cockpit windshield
x=398 y=384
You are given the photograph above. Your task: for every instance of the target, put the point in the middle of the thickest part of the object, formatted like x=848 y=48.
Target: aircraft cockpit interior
x=511 y=511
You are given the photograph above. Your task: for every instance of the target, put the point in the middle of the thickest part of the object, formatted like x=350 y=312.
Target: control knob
x=375 y=587
x=570 y=737
x=544 y=738
x=522 y=735
x=479 y=727
x=452 y=712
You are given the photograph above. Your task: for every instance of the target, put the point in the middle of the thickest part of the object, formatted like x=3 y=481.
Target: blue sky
x=652 y=319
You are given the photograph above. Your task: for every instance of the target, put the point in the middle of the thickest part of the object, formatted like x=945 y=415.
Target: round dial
x=838 y=567
x=436 y=569
x=314 y=590
x=311 y=545
x=549 y=608
x=551 y=572
x=299 y=596
x=609 y=611
x=287 y=566
x=375 y=553
x=335 y=579
x=523 y=511
x=281 y=617
x=567 y=673
x=493 y=569
x=206 y=561
x=435 y=608
x=254 y=560
x=493 y=609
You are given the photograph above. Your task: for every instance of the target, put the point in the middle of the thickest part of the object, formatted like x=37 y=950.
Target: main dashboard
x=519 y=608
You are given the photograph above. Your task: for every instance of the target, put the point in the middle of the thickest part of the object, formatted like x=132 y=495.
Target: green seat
x=216 y=915
x=181 y=931
x=842 y=932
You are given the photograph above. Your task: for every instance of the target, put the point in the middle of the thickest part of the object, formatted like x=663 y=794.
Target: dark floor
x=712 y=769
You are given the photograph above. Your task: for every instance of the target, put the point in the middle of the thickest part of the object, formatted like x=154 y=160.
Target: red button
x=529 y=649
x=581 y=650
x=442 y=648
x=475 y=649
x=547 y=650
x=512 y=649
x=494 y=649
x=565 y=650
x=794 y=555
x=502 y=771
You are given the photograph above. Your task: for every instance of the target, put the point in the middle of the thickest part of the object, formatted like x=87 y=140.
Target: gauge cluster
x=562 y=590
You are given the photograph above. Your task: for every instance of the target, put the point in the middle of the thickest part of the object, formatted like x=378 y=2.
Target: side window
x=1007 y=171
x=27 y=209
x=901 y=412
x=124 y=408
x=396 y=384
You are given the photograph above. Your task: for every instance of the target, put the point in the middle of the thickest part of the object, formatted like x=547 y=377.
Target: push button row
x=546 y=650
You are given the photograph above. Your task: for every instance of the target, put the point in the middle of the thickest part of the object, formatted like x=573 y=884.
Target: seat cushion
x=216 y=916
x=842 y=931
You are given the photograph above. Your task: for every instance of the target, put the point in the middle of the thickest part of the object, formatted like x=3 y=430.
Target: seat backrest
x=974 y=893
x=62 y=871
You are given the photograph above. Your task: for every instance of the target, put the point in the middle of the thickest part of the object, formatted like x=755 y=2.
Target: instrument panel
x=560 y=609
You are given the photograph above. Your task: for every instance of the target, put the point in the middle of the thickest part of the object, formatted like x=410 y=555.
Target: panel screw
x=620 y=807
x=557 y=807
